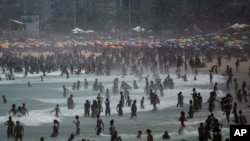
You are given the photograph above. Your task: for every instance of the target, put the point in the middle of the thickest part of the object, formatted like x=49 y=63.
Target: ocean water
x=43 y=96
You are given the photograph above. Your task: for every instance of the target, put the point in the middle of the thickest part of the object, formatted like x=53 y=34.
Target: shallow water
x=42 y=97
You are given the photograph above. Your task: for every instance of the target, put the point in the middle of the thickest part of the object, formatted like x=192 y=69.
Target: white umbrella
x=77 y=30
x=235 y=26
x=89 y=31
x=238 y=26
x=138 y=29
x=243 y=25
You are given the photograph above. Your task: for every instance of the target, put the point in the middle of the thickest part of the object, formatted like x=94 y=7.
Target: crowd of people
x=128 y=61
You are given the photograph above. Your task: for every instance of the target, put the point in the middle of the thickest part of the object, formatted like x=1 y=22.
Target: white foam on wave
x=35 y=118
x=202 y=79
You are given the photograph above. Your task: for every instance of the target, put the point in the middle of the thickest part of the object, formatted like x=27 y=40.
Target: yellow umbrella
x=237 y=41
x=5 y=44
x=59 y=45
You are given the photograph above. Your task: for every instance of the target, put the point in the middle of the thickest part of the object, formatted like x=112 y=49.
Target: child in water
x=182 y=119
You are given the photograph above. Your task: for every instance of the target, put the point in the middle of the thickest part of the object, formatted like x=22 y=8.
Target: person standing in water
x=180 y=100
x=139 y=134
x=10 y=123
x=201 y=132
x=142 y=103
x=29 y=85
x=115 y=137
x=77 y=123
x=166 y=135
x=112 y=128
x=71 y=137
x=13 y=110
x=119 y=108
x=4 y=99
x=182 y=119
x=55 y=128
x=86 y=84
x=56 y=110
x=86 y=108
x=149 y=136
x=18 y=131
x=191 y=109
x=65 y=91
x=24 y=110
x=99 y=125
x=107 y=108
x=70 y=102
x=133 y=110
x=41 y=78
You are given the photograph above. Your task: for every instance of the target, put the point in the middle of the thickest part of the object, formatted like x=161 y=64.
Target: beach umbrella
x=89 y=31
x=188 y=40
x=244 y=37
x=202 y=39
x=237 y=41
x=20 y=46
x=197 y=49
x=221 y=48
x=235 y=26
x=216 y=37
x=238 y=26
x=138 y=29
x=181 y=46
x=13 y=44
x=150 y=46
x=77 y=30
x=5 y=45
x=163 y=44
x=224 y=38
x=243 y=25
x=206 y=43
x=80 y=38
x=27 y=46
x=59 y=44
x=229 y=43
